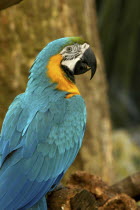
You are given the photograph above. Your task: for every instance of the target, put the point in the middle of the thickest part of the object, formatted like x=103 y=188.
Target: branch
x=129 y=185
x=8 y=3
x=88 y=192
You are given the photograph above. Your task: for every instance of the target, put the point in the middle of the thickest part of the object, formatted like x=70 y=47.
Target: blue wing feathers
x=45 y=144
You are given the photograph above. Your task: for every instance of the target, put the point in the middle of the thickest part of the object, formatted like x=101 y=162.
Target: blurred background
x=111 y=147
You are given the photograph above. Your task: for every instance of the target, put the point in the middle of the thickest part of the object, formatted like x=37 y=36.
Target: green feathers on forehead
x=78 y=40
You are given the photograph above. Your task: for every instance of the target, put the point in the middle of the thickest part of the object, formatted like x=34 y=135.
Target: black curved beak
x=86 y=63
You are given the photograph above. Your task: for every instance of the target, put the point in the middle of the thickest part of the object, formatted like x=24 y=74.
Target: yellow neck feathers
x=56 y=74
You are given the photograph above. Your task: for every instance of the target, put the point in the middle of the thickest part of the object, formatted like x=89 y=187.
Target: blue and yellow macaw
x=43 y=128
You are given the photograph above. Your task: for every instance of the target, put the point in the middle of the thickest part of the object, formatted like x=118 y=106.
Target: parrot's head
x=62 y=59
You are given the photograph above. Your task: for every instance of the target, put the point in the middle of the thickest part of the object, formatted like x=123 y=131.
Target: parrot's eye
x=69 y=49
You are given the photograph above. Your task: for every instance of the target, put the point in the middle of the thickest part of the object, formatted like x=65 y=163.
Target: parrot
x=43 y=129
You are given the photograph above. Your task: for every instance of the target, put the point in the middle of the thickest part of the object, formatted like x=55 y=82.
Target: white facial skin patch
x=72 y=54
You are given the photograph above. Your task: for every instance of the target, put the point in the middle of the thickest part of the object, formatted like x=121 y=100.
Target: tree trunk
x=25 y=29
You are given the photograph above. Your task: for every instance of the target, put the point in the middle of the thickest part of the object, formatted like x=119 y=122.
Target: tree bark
x=100 y=139
x=88 y=192
x=129 y=185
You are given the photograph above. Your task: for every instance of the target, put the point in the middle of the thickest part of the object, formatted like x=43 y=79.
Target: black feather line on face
x=71 y=56
x=68 y=73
